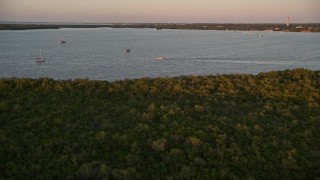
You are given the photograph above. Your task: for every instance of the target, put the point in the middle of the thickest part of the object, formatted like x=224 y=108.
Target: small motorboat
x=160 y=58
x=127 y=50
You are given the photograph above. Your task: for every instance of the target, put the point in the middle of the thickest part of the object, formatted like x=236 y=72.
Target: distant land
x=297 y=27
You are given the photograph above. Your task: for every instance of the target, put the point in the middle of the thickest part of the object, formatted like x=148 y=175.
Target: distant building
x=288 y=21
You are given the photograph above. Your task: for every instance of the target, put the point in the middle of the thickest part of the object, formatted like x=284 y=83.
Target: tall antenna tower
x=288 y=21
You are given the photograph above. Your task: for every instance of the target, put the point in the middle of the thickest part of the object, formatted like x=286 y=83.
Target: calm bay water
x=99 y=53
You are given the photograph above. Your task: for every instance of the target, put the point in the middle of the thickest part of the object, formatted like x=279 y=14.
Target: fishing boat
x=39 y=58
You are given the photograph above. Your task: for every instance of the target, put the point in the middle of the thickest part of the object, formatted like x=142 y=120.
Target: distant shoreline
x=304 y=27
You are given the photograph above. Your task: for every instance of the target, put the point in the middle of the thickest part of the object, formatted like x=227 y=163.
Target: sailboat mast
x=39 y=59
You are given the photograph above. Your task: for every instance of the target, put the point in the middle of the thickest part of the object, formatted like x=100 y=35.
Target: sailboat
x=39 y=58
x=62 y=41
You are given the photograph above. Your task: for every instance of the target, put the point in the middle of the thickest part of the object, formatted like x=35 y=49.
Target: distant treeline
x=235 y=126
x=197 y=26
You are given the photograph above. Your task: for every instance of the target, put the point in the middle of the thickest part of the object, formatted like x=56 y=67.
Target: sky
x=161 y=11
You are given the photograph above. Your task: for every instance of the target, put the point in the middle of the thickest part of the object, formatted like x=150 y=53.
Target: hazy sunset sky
x=171 y=11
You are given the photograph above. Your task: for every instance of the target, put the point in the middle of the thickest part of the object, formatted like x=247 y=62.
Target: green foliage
x=263 y=126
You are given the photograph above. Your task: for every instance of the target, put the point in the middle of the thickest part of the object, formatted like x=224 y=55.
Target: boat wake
x=201 y=58
x=237 y=60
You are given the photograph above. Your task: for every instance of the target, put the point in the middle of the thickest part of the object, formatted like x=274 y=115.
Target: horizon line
x=72 y=22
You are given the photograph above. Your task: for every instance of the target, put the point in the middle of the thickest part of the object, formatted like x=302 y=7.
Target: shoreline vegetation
x=233 y=126
x=301 y=27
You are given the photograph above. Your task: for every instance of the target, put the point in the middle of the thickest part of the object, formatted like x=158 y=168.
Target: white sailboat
x=39 y=58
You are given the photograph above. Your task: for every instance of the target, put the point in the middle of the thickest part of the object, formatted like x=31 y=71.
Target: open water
x=98 y=53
